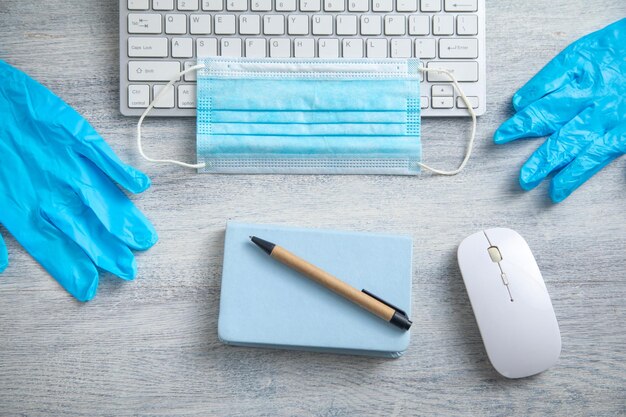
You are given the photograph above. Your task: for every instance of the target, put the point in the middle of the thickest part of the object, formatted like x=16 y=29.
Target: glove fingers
x=81 y=225
x=60 y=256
x=591 y=160
x=118 y=215
x=556 y=74
x=98 y=151
x=4 y=255
x=542 y=117
x=54 y=117
x=558 y=150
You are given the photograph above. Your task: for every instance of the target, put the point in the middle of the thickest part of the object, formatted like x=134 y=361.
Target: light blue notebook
x=266 y=304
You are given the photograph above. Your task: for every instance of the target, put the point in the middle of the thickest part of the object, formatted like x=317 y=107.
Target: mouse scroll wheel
x=494 y=253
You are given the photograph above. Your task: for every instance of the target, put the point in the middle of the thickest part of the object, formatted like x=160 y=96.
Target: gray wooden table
x=150 y=347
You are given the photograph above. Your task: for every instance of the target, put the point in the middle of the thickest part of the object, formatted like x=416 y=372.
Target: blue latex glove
x=579 y=99
x=56 y=193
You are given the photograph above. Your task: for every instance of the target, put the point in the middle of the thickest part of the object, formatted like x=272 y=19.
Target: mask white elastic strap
x=150 y=107
x=470 y=144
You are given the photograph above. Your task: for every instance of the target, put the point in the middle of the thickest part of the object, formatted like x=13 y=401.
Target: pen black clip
x=385 y=302
x=399 y=318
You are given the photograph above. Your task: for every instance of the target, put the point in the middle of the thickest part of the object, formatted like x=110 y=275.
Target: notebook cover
x=266 y=304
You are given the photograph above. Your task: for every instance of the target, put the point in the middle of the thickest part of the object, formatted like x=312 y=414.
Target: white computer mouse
x=510 y=301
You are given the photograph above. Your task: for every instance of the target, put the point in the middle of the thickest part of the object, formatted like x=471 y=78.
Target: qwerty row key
x=302 y=24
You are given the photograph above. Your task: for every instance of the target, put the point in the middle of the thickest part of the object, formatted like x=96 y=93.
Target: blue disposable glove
x=56 y=193
x=579 y=99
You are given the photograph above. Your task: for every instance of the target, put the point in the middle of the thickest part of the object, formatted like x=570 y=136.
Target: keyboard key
x=458 y=48
x=382 y=5
x=425 y=48
x=442 y=102
x=377 y=48
x=182 y=47
x=460 y=5
x=334 y=5
x=395 y=24
x=431 y=5
x=187 y=96
x=286 y=5
x=167 y=100
x=200 y=24
x=163 y=4
x=191 y=75
x=280 y=48
x=328 y=48
x=138 y=96
x=224 y=24
x=255 y=48
x=187 y=5
x=148 y=47
x=206 y=47
x=371 y=25
x=310 y=5
x=346 y=24
x=406 y=5
x=138 y=4
x=212 y=5
x=176 y=24
x=463 y=71
x=442 y=90
x=472 y=99
x=152 y=70
x=261 y=5
x=467 y=25
x=274 y=24
x=419 y=25
x=236 y=5
x=298 y=24
x=352 y=48
x=358 y=5
x=401 y=48
x=322 y=24
x=443 y=25
x=230 y=47
x=144 y=23
x=424 y=102
x=304 y=48
x=250 y=24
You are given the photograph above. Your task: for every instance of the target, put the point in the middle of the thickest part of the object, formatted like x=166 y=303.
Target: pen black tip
x=267 y=247
x=400 y=320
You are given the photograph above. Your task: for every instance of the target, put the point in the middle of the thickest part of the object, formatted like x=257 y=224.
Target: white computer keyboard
x=158 y=38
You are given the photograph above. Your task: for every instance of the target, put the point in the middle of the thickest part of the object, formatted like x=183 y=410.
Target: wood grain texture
x=150 y=347
x=333 y=283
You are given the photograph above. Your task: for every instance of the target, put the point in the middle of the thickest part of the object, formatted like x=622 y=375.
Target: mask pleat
x=307 y=129
x=305 y=95
x=312 y=145
x=297 y=116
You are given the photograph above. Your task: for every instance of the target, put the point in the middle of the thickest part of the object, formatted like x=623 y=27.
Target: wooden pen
x=364 y=298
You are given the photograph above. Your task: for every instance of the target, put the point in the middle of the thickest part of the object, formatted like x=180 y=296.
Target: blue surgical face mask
x=300 y=116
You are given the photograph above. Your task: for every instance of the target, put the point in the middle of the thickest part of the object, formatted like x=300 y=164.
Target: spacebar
x=152 y=70
x=463 y=71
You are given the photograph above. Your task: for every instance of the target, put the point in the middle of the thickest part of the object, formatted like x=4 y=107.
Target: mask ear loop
x=470 y=143
x=150 y=107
